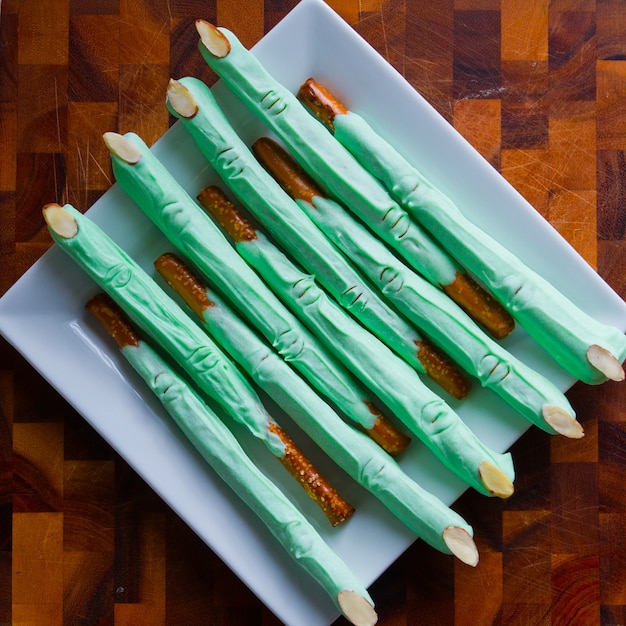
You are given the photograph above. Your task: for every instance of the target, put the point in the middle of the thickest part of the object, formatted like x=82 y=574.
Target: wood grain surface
x=538 y=87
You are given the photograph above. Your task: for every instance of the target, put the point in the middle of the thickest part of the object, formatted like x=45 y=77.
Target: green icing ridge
x=557 y=324
x=388 y=376
x=152 y=310
x=194 y=233
x=290 y=227
x=219 y=447
x=445 y=323
x=353 y=451
x=327 y=162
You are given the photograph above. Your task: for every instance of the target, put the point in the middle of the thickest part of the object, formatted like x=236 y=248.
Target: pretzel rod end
x=122 y=147
x=60 y=221
x=212 y=39
x=562 y=421
x=216 y=202
x=605 y=362
x=447 y=374
x=385 y=433
x=320 y=102
x=181 y=99
x=356 y=608
x=335 y=508
x=181 y=279
x=495 y=480
x=461 y=545
x=114 y=321
x=289 y=175
x=479 y=304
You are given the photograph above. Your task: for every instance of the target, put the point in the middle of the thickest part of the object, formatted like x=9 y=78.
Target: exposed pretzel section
x=480 y=305
x=108 y=313
x=320 y=102
x=217 y=203
x=289 y=175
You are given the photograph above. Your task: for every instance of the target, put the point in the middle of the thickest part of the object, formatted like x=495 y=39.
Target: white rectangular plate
x=43 y=316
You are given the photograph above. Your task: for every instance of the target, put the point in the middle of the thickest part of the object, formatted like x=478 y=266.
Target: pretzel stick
x=389 y=377
x=587 y=348
x=536 y=398
x=165 y=202
x=192 y=101
x=334 y=168
x=163 y=320
x=218 y=446
x=355 y=453
x=336 y=509
x=464 y=290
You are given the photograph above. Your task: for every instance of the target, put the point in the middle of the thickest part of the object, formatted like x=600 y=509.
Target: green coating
x=557 y=324
x=444 y=322
x=329 y=163
x=197 y=237
x=290 y=227
x=219 y=447
x=353 y=451
x=152 y=310
x=422 y=411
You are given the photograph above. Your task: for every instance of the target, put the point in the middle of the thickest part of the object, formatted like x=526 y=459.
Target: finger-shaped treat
x=389 y=377
x=157 y=315
x=192 y=101
x=591 y=351
x=143 y=177
x=445 y=323
x=339 y=173
x=219 y=447
x=354 y=452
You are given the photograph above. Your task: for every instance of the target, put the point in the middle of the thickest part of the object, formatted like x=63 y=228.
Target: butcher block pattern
x=538 y=87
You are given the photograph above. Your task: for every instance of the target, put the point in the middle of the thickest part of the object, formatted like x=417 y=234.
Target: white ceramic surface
x=43 y=316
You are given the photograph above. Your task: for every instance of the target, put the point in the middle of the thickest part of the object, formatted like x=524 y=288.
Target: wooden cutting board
x=538 y=87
